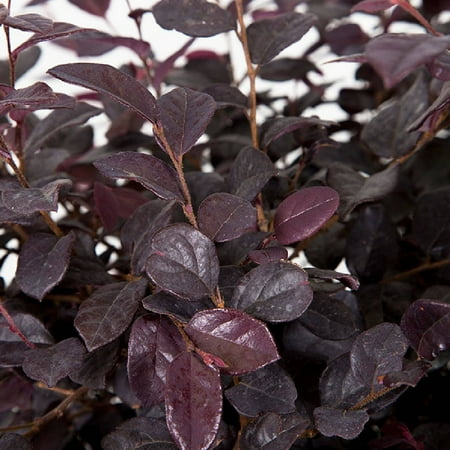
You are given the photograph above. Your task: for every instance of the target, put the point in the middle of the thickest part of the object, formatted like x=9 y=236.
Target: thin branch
x=251 y=71
x=418 y=269
x=406 y=6
x=13 y=326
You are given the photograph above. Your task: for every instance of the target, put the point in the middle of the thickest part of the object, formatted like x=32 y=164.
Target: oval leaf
x=106 y=314
x=198 y=18
x=184 y=115
x=242 y=342
x=154 y=174
x=153 y=345
x=302 y=213
x=184 y=262
x=110 y=81
x=274 y=292
x=268 y=37
x=51 y=364
x=224 y=217
x=426 y=324
x=43 y=261
x=193 y=402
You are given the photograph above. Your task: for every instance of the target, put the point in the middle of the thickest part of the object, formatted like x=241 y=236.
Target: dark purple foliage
x=228 y=265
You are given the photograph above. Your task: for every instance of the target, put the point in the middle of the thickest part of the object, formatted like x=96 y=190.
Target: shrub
x=166 y=305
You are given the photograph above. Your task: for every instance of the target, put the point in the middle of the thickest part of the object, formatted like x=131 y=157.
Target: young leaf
x=106 y=314
x=140 y=432
x=184 y=262
x=268 y=37
x=153 y=345
x=426 y=324
x=242 y=342
x=193 y=402
x=184 y=115
x=338 y=422
x=249 y=173
x=43 y=261
x=394 y=56
x=199 y=18
x=154 y=174
x=267 y=389
x=107 y=80
x=224 y=217
x=51 y=364
x=27 y=201
x=304 y=212
x=274 y=292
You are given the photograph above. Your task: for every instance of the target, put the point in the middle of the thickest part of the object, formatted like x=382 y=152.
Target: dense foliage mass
x=165 y=306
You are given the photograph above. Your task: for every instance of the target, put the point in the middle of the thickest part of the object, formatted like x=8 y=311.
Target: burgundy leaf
x=346 y=39
x=32 y=328
x=184 y=115
x=242 y=342
x=193 y=402
x=426 y=324
x=440 y=66
x=301 y=214
x=43 y=261
x=198 y=18
x=107 y=80
x=224 y=217
x=140 y=433
x=268 y=37
x=113 y=204
x=51 y=364
x=225 y=95
x=410 y=375
x=272 y=431
x=267 y=389
x=394 y=56
x=250 y=171
x=377 y=352
x=30 y=200
x=338 y=422
x=346 y=279
x=284 y=69
x=387 y=133
x=57 y=121
x=138 y=230
x=153 y=345
x=37 y=96
x=12 y=441
x=371 y=6
x=30 y=22
x=268 y=255
x=184 y=262
x=12 y=354
x=96 y=366
x=274 y=292
x=154 y=174
x=97 y=7
x=106 y=314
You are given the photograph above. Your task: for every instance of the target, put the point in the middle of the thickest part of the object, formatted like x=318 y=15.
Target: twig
x=421 y=268
x=406 y=6
x=251 y=71
x=12 y=325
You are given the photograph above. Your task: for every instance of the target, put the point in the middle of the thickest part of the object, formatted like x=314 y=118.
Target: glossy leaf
x=151 y=172
x=338 y=422
x=304 y=212
x=107 y=80
x=183 y=262
x=193 y=401
x=154 y=343
x=51 y=364
x=269 y=389
x=223 y=217
x=272 y=431
x=140 y=432
x=394 y=56
x=184 y=116
x=268 y=37
x=250 y=172
x=198 y=18
x=274 y=292
x=30 y=200
x=43 y=261
x=106 y=314
x=241 y=341
x=426 y=325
